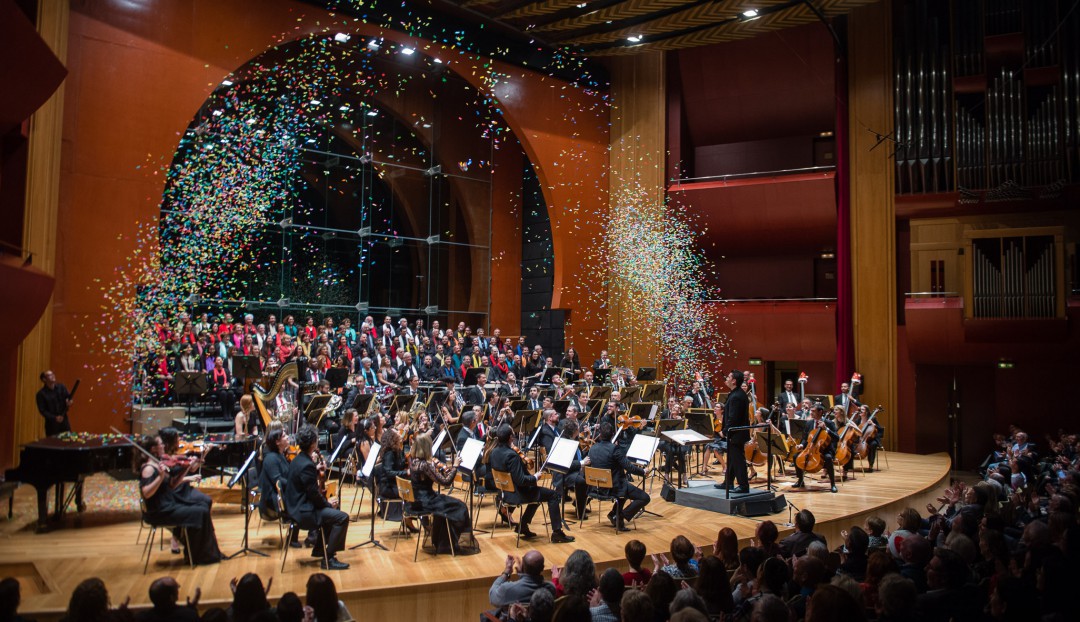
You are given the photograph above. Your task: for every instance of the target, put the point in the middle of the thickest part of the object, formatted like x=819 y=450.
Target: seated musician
x=505 y=459
x=674 y=453
x=827 y=453
x=347 y=430
x=606 y=455
x=470 y=429
x=273 y=473
x=157 y=487
x=573 y=479
x=451 y=515
x=840 y=420
x=306 y=504
x=717 y=449
x=699 y=398
x=247 y=421
x=185 y=469
x=549 y=429
x=393 y=465
x=873 y=444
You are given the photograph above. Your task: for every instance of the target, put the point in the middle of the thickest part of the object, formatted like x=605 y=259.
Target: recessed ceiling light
x=344 y=108
x=226 y=83
x=407 y=51
x=372 y=113
x=438 y=60
x=583 y=5
x=634 y=38
x=748 y=13
x=373 y=44
x=217 y=113
x=342 y=37
x=315 y=102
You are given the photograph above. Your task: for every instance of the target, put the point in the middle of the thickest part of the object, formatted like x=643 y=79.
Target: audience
x=164 y=594
x=609 y=593
x=323 y=600
x=10 y=597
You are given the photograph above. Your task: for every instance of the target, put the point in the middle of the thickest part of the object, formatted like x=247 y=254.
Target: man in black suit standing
x=788 y=395
x=309 y=508
x=606 y=455
x=841 y=399
x=736 y=414
x=505 y=459
x=699 y=395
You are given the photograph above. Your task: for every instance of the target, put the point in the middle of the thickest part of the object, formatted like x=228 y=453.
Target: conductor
x=736 y=414
x=53 y=401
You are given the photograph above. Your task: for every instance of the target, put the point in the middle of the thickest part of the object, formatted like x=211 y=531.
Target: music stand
x=550 y=373
x=642 y=449
x=771 y=444
x=559 y=460
x=191 y=384
x=337 y=376
x=402 y=402
x=242 y=475
x=366 y=472
x=470 y=454
x=471 y=374
x=601 y=375
x=600 y=393
x=315 y=409
x=246 y=367
x=653 y=393
x=646 y=374
x=560 y=407
x=516 y=405
x=700 y=420
x=363 y=402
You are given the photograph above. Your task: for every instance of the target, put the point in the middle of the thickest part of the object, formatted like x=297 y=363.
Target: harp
x=263 y=397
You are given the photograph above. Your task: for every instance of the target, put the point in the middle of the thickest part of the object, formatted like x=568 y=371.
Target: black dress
x=447 y=511
x=165 y=508
x=393 y=466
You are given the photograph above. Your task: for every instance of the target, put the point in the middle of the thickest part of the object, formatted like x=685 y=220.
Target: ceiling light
x=226 y=83
x=372 y=113
x=407 y=51
x=583 y=5
x=438 y=60
x=373 y=44
x=217 y=113
x=344 y=108
x=634 y=38
x=315 y=102
x=750 y=13
x=342 y=37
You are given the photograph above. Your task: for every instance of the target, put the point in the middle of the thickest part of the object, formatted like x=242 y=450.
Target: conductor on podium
x=736 y=414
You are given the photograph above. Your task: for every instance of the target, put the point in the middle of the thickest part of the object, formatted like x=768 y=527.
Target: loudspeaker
x=148 y=420
x=667 y=492
x=759 y=507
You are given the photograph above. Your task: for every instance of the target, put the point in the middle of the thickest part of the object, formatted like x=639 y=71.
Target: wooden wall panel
x=636 y=174
x=40 y=225
x=873 y=219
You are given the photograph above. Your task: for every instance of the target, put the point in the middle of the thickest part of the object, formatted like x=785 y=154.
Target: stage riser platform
x=705 y=496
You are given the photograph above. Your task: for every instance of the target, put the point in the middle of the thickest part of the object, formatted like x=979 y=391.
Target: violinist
x=827 y=453
x=606 y=455
x=184 y=469
x=393 y=465
x=273 y=473
x=156 y=485
x=505 y=459
x=573 y=478
x=861 y=417
x=736 y=414
x=451 y=512
x=307 y=505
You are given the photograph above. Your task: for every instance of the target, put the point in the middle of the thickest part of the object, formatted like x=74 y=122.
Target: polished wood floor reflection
x=102 y=543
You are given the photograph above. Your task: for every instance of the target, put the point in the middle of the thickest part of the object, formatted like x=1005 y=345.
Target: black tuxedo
x=547 y=436
x=306 y=505
x=736 y=414
x=840 y=398
x=786 y=398
x=526 y=491
x=701 y=399
x=606 y=455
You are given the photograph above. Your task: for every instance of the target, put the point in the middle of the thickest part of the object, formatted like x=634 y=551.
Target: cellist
x=873 y=444
x=826 y=452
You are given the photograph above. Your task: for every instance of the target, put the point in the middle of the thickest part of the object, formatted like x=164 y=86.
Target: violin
x=291 y=452
x=626 y=421
x=809 y=459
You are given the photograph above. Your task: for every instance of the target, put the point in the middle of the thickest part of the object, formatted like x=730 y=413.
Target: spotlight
x=373 y=44
x=315 y=102
x=226 y=83
x=372 y=113
x=342 y=37
x=634 y=38
x=750 y=13
x=407 y=51
x=582 y=5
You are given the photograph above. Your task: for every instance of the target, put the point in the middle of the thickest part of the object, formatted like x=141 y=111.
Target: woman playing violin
x=450 y=515
x=158 y=488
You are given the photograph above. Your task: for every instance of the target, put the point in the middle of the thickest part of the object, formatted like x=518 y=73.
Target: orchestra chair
x=160 y=527
x=408 y=498
x=600 y=482
x=293 y=527
x=505 y=484
x=479 y=492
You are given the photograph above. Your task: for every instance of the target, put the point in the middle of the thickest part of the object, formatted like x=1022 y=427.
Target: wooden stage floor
x=101 y=542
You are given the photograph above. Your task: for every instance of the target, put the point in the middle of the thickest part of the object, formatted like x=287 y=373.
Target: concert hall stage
x=101 y=542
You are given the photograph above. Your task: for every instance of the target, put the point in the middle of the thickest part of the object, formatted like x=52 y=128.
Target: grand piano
x=57 y=461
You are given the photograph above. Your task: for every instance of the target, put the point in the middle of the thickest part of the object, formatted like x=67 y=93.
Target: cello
x=847 y=439
x=869 y=433
x=810 y=459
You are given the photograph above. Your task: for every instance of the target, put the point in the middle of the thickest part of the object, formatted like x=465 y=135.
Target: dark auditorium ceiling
x=609 y=27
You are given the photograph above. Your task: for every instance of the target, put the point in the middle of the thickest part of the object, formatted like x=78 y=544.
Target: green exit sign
x=755 y=361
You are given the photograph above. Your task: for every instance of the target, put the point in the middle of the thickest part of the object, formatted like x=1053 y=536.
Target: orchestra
x=397 y=387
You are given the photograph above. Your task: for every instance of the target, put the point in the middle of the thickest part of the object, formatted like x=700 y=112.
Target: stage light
x=407 y=51
x=342 y=37
x=226 y=83
x=438 y=60
x=372 y=113
x=373 y=44
x=634 y=38
x=315 y=102
x=582 y=5
x=750 y=13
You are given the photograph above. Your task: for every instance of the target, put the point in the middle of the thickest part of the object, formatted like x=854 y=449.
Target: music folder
x=685 y=437
x=372 y=458
x=470 y=453
x=563 y=452
x=642 y=448
x=337 y=376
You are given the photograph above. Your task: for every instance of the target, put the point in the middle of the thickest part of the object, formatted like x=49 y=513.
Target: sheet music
x=684 y=437
x=652 y=411
x=372 y=457
x=470 y=453
x=536 y=435
x=787 y=426
x=642 y=448
x=439 y=440
x=563 y=452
